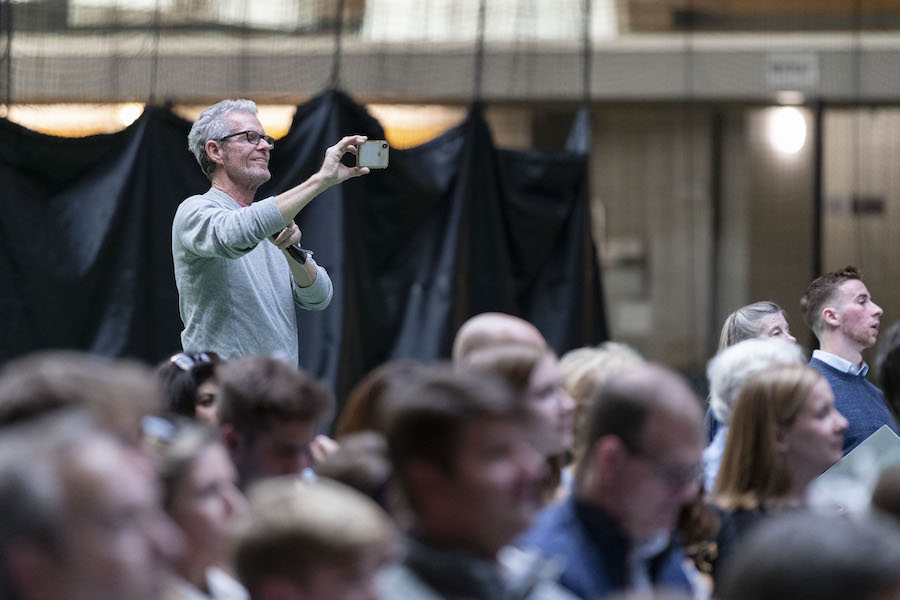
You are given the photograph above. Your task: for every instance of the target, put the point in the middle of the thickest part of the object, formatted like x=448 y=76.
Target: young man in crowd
x=840 y=311
x=458 y=442
x=269 y=413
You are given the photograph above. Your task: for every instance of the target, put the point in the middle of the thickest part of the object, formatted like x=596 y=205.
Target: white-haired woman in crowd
x=728 y=371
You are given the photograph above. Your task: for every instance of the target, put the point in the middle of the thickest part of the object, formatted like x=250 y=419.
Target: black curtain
x=452 y=228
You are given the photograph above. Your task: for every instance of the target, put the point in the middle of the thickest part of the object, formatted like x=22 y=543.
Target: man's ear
x=830 y=316
x=610 y=452
x=608 y=456
x=214 y=149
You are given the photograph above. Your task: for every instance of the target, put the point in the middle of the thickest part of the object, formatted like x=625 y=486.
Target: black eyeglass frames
x=252 y=136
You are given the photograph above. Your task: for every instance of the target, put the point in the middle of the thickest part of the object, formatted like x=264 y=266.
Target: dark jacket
x=593 y=552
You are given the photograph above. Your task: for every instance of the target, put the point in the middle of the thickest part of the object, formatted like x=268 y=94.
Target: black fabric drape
x=453 y=228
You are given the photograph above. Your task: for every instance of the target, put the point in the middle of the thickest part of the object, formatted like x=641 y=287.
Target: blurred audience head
x=803 y=555
x=823 y=292
x=80 y=517
x=785 y=431
x=887 y=366
x=361 y=462
x=191 y=386
x=758 y=320
x=534 y=375
x=459 y=445
x=730 y=369
x=311 y=541
x=269 y=414
x=644 y=442
x=364 y=406
x=487 y=329
x=886 y=495
x=118 y=393
x=200 y=494
x=585 y=371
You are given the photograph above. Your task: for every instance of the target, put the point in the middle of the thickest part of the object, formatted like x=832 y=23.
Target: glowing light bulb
x=129 y=113
x=787 y=130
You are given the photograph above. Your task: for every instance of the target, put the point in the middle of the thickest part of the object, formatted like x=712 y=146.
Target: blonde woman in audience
x=758 y=320
x=727 y=372
x=585 y=371
x=200 y=494
x=534 y=374
x=785 y=432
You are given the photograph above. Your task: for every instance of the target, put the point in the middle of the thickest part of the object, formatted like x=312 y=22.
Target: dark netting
x=453 y=228
x=277 y=50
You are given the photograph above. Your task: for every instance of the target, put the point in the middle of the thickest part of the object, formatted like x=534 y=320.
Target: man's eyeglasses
x=675 y=476
x=188 y=360
x=252 y=137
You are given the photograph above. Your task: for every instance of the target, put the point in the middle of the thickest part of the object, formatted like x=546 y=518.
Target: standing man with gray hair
x=237 y=282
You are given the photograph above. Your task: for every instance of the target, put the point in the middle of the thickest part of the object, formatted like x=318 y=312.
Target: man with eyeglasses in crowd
x=238 y=283
x=644 y=441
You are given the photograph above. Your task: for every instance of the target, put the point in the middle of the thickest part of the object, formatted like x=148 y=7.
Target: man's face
x=117 y=542
x=244 y=163
x=495 y=489
x=281 y=449
x=858 y=317
x=657 y=480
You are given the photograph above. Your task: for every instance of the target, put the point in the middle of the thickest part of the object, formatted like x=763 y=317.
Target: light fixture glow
x=787 y=129
x=129 y=113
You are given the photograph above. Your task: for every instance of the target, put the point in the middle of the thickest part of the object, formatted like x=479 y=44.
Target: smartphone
x=373 y=154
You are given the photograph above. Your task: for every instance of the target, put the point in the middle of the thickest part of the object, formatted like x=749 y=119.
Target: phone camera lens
x=384 y=145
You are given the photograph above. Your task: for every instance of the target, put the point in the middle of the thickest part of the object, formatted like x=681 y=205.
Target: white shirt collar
x=841 y=364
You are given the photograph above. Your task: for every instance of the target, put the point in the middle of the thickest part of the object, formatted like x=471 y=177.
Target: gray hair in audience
x=730 y=369
x=803 y=555
x=30 y=490
x=743 y=324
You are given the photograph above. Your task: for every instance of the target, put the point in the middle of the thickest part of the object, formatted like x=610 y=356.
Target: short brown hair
x=753 y=473
x=428 y=418
x=515 y=363
x=257 y=392
x=295 y=526
x=820 y=292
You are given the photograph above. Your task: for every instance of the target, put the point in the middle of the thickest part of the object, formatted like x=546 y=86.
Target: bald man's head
x=492 y=328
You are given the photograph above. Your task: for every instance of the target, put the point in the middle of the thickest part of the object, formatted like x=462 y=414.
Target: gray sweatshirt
x=236 y=293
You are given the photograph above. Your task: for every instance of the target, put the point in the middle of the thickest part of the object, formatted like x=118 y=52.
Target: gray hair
x=31 y=492
x=212 y=125
x=743 y=323
x=730 y=369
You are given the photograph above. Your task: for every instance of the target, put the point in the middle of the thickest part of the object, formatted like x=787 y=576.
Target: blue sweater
x=859 y=400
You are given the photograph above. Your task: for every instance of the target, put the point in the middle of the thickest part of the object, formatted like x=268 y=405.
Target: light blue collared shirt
x=841 y=364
